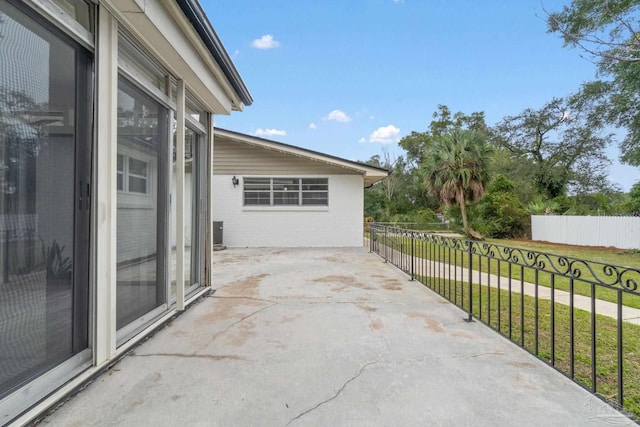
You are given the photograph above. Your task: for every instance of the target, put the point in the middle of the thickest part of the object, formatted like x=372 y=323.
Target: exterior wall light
x=235 y=181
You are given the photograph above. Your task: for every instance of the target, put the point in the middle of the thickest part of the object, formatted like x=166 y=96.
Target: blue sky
x=350 y=78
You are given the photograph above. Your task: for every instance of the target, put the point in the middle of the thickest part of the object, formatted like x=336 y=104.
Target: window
x=143 y=201
x=132 y=175
x=79 y=10
x=45 y=169
x=315 y=191
x=257 y=191
x=286 y=191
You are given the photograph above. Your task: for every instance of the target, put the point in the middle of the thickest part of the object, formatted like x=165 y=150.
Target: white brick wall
x=338 y=225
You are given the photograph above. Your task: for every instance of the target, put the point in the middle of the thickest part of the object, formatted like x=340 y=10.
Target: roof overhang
x=181 y=38
x=194 y=13
x=370 y=174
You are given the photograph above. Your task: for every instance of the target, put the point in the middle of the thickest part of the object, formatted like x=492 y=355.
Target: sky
x=352 y=77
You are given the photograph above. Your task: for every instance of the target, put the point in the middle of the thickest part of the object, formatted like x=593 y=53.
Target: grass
x=529 y=323
x=625 y=257
x=587 y=283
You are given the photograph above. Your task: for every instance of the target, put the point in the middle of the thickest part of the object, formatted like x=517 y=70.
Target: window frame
x=275 y=189
x=45 y=378
x=59 y=17
x=126 y=174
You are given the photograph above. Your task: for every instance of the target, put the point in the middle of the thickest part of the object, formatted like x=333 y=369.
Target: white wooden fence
x=617 y=231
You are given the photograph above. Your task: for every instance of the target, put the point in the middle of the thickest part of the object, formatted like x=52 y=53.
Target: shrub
x=501 y=214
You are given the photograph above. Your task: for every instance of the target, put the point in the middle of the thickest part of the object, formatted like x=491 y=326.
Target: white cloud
x=270 y=132
x=398 y=1
x=265 y=42
x=362 y=140
x=338 y=116
x=385 y=134
x=312 y=126
x=236 y=54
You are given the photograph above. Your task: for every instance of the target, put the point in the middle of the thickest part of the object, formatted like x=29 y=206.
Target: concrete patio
x=332 y=337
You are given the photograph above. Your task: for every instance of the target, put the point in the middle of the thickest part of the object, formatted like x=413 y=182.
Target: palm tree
x=456 y=170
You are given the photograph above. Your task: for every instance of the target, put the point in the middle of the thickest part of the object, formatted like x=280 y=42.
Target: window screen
x=286 y=191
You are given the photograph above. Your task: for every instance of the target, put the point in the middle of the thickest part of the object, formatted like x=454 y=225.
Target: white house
x=106 y=156
x=270 y=194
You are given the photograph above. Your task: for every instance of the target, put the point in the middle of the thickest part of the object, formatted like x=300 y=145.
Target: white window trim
x=133 y=200
x=135 y=73
x=195 y=125
x=59 y=17
x=274 y=207
x=128 y=71
x=285 y=208
x=126 y=173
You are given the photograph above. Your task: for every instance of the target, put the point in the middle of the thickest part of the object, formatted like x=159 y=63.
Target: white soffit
x=163 y=29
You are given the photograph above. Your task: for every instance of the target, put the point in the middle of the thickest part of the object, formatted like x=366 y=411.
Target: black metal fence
x=581 y=317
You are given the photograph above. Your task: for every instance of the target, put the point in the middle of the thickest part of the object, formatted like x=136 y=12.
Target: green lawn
x=630 y=258
x=551 y=255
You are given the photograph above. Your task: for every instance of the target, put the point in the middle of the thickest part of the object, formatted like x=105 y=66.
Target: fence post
x=413 y=250
x=470 y=287
x=385 y=244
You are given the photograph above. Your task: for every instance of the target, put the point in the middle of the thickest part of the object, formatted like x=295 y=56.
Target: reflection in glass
x=191 y=203
x=37 y=159
x=191 y=196
x=141 y=133
x=286 y=191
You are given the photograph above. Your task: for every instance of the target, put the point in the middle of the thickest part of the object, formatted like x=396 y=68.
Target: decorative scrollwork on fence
x=592 y=272
x=629 y=280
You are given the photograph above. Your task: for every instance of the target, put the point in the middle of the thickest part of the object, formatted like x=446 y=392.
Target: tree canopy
x=548 y=160
x=608 y=31
x=456 y=169
x=417 y=143
x=561 y=145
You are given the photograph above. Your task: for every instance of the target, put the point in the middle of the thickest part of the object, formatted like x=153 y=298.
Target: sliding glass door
x=45 y=190
x=192 y=202
x=141 y=215
x=191 y=219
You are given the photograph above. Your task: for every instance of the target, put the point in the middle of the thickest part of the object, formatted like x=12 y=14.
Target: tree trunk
x=463 y=212
x=463 y=208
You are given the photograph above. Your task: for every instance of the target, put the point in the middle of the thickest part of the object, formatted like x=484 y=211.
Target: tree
x=604 y=29
x=416 y=144
x=609 y=32
x=634 y=199
x=500 y=213
x=456 y=170
x=395 y=165
x=518 y=170
x=564 y=149
x=389 y=196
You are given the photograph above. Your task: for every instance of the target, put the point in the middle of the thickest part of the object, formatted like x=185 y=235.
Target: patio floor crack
x=450 y=356
x=241 y=297
x=225 y=330
x=195 y=356
x=340 y=390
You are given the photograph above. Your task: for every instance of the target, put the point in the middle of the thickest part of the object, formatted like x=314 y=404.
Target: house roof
x=193 y=11
x=371 y=174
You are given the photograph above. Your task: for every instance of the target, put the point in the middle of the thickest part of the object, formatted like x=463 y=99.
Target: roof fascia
x=194 y=13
